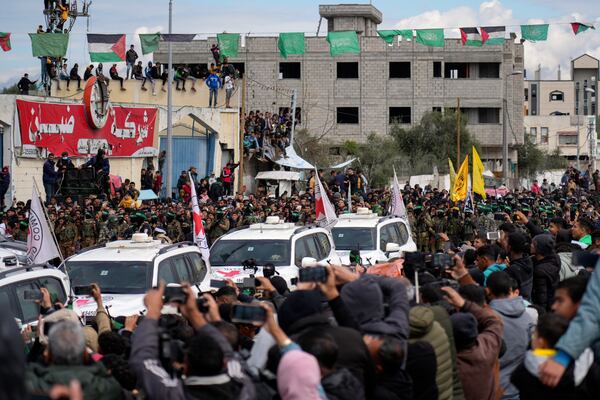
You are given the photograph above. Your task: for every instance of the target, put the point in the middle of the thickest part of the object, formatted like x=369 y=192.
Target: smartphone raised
x=312 y=274
x=32 y=295
x=493 y=235
x=217 y=284
x=82 y=290
x=174 y=294
x=248 y=314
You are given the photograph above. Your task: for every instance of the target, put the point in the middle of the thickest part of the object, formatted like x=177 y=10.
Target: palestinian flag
x=5 y=41
x=579 y=27
x=493 y=35
x=470 y=37
x=106 y=48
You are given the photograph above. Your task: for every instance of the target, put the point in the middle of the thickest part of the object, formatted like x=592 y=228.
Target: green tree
x=12 y=89
x=313 y=149
x=432 y=141
x=532 y=160
x=377 y=156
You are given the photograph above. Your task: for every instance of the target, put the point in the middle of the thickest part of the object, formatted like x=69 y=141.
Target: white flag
x=41 y=246
x=199 y=234
x=397 y=207
x=324 y=210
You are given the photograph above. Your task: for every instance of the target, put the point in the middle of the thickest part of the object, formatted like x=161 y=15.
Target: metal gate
x=188 y=151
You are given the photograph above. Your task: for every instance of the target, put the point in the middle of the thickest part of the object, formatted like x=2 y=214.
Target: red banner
x=129 y=131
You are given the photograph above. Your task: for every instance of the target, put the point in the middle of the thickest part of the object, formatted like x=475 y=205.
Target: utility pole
x=578 y=128
x=170 y=110
x=241 y=135
x=457 y=131
x=293 y=117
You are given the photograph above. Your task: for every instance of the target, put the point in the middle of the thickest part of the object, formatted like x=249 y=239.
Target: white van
x=284 y=245
x=377 y=238
x=126 y=269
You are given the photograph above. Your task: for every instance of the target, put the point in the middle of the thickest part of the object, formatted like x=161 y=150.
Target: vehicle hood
x=115 y=304
x=366 y=256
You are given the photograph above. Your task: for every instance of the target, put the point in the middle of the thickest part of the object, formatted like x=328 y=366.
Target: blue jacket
x=584 y=329
x=50 y=174
x=213 y=81
x=105 y=164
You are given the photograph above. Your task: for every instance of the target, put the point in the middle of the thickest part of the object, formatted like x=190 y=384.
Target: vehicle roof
x=268 y=232
x=351 y=221
x=123 y=251
x=17 y=274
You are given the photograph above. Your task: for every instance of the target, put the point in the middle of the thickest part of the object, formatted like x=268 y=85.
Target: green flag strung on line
x=431 y=37
x=49 y=44
x=228 y=44
x=534 y=33
x=149 y=42
x=291 y=43
x=343 y=42
x=389 y=35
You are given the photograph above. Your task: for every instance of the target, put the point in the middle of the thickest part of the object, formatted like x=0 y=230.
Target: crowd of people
x=268 y=134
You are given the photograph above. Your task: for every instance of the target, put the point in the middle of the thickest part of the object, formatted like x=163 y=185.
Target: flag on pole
x=397 y=207
x=324 y=211
x=49 y=44
x=5 y=41
x=349 y=197
x=468 y=207
x=343 y=42
x=229 y=44
x=493 y=35
x=149 y=42
x=389 y=35
x=291 y=43
x=431 y=37
x=41 y=246
x=534 y=33
x=470 y=37
x=199 y=234
x=459 y=190
x=578 y=27
x=478 y=181
x=106 y=48
x=452 y=174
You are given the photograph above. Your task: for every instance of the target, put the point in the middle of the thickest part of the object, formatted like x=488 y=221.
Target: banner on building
x=129 y=131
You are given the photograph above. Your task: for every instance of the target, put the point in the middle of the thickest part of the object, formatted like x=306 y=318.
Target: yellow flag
x=452 y=175
x=478 y=183
x=459 y=191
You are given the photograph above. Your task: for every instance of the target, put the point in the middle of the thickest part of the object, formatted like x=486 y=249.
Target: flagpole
x=170 y=110
x=37 y=189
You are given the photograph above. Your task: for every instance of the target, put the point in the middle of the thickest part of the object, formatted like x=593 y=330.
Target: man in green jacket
x=67 y=360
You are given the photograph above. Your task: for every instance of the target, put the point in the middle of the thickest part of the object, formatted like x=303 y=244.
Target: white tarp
x=293 y=160
x=342 y=165
x=278 y=175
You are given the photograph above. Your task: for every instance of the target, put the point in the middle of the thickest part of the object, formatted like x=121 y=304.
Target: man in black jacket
x=521 y=267
x=546 y=268
x=24 y=84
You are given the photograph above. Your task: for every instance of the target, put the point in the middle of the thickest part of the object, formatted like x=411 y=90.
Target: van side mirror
x=392 y=247
x=308 y=262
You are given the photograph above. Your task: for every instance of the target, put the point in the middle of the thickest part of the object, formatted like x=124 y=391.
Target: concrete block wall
x=320 y=92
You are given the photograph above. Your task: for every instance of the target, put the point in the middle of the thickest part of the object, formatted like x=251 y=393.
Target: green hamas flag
x=228 y=44
x=291 y=43
x=389 y=35
x=534 y=33
x=431 y=37
x=49 y=44
x=149 y=42
x=343 y=43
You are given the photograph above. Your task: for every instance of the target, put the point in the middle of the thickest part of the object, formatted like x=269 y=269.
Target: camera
x=248 y=314
x=312 y=274
x=82 y=290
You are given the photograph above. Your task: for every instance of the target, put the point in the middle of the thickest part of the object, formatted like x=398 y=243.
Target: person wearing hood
x=521 y=267
x=546 y=269
x=423 y=327
x=478 y=336
x=302 y=312
x=517 y=326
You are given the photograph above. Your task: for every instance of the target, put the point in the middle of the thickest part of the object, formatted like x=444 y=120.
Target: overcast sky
x=272 y=16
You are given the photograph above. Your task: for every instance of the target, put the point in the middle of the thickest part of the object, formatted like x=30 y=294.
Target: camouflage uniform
x=412 y=220
x=21 y=233
x=469 y=228
x=424 y=226
x=218 y=228
x=88 y=233
x=439 y=226
x=123 y=230
x=454 y=229
x=66 y=236
x=174 y=231
x=484 y=223
x=108 y=231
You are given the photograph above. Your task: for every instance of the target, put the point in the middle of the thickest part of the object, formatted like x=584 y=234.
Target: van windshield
x=234 y=252
x=116 y=277
x=354 y=238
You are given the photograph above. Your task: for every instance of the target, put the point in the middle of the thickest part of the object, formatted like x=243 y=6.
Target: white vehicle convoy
x=377 y=238
x=18 y=283
x=126 y=269
x=284 y=245
x=12 y=253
